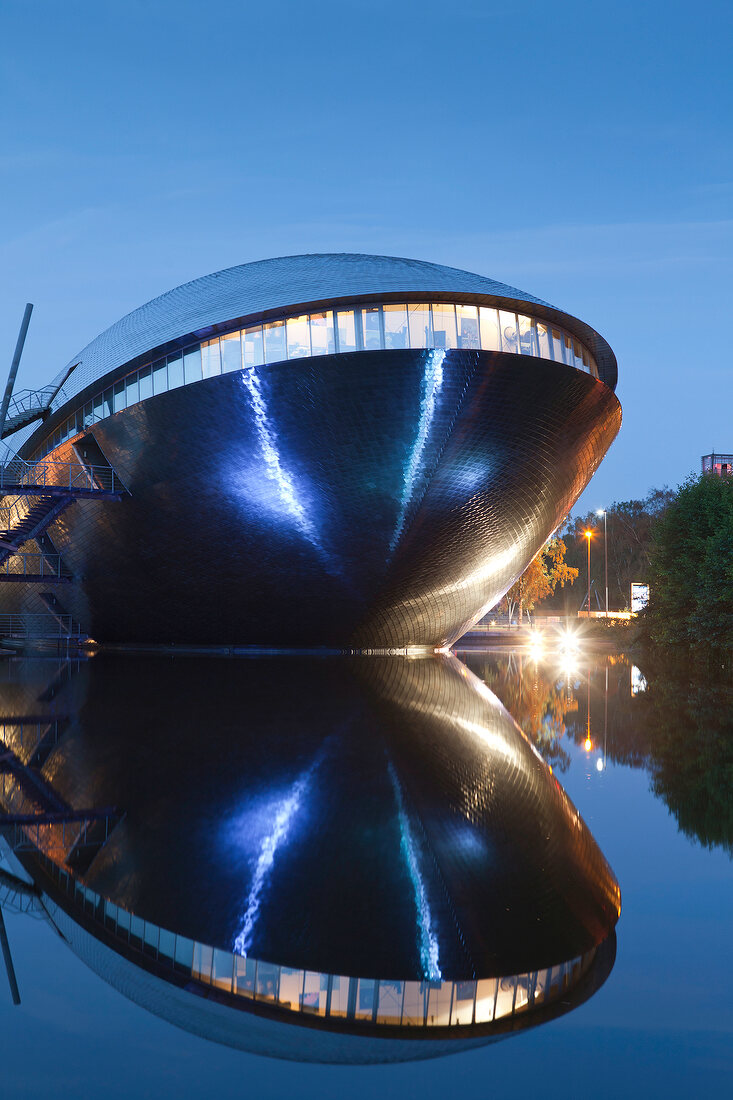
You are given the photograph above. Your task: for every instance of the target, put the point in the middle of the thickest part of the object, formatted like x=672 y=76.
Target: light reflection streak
x=273 y=466
x=283 y=816
x=429 y=950
x=432 y=381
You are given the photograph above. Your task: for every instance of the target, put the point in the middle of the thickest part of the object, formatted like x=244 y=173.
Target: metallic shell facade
x=369 y=499
x=272 y=287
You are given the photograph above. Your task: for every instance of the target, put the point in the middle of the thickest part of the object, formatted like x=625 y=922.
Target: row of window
x=332 y=332
x=370 y=1000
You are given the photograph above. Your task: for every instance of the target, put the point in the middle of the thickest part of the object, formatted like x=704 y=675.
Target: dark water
x=200 y=755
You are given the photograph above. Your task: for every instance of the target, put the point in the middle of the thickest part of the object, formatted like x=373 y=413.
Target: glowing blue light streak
x=429 y=950
x=432 y=381
x=284 y=814
x=273 y=466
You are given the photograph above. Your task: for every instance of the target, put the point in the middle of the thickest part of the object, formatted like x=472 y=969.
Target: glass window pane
x=137 y=925
x=80 y=412
x=291 y=987
x=540 y=989
x=275 y=349
x=463 y=998
x=419 y=324
x=444 y=326
x=160 y=377
x=231 y=352
x=184 y=952
x=315 y=993
x=131 y=388
x=167 y=945
x=543 y=340
x=202 y=960
x=592 y=365
x=505 y=997
x=150 y=935
x=439 y=1002
x=508 y=328
x=322 y=341
x=568 y=350
x=123 y=920
x=339 y=996
x=210 y=358
x=390 y=1002
x=467 y=326
x=146 y=383
x=346 y=331
x=395 y=327
x=268 y=976
x=557 y=346
x=221 y=972
x=175 y=370
x=299 y=339
x=415 y=1003
x=527 y=335
x=365 y=998
x=192 y=365
x=485 y=997
x=577 y=355
x=489 y=319
x=98 y=409
x=371 y=326
x=521 y=999
x=244 y=976
x=254 y=355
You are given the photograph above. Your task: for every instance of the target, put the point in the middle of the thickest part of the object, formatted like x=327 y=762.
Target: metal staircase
x=35 y=818
x=33 y=495
x=27 y=406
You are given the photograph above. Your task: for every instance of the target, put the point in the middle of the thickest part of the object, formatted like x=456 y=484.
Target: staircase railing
x=41 y=625
x=15 y=472
x=33 y=564
x=29 y=403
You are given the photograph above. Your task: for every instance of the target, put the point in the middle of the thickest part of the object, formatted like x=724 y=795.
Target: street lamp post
x=604 y=513
x=588 y=537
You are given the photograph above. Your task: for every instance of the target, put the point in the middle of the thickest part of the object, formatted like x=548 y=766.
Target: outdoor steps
x=33 y=523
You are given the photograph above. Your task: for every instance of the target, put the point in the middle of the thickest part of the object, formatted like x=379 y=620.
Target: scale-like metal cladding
x=383 y=817
x=345 y=826
x=376 y=499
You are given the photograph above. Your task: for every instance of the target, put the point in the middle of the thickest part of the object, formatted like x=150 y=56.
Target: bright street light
x=588 y=537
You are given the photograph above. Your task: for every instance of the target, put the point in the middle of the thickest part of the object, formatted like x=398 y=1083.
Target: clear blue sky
x=581 y=152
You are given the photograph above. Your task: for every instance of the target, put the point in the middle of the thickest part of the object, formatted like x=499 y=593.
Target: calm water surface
x=647 y=759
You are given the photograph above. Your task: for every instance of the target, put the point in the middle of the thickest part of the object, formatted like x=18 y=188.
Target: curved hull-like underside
x=375 y=499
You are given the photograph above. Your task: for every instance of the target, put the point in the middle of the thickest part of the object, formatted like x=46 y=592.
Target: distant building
x=720 y=465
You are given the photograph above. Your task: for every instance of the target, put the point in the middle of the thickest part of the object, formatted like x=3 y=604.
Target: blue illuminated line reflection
x=429 y=951
x=283 y=815
x=432 y=381
x=273 y=466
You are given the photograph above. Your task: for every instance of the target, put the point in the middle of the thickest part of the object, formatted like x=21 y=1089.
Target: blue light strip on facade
x=432 y=381
x=428 y=940
x=274 y=469
x=284 y=814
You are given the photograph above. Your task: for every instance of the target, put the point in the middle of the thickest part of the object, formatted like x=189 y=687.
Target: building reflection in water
x=368 y=848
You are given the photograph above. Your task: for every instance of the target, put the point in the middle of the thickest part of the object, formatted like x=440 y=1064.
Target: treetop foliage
x=545 y=572
x=691 y=566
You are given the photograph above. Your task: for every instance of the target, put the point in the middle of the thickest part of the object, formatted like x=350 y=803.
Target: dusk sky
x=580 y=152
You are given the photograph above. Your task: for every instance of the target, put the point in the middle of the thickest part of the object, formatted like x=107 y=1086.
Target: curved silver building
x=335 y=450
